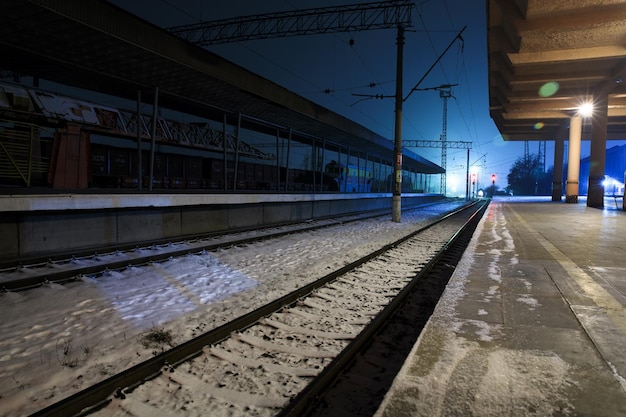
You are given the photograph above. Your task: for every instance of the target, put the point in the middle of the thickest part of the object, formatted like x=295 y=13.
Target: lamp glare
x=586 y=109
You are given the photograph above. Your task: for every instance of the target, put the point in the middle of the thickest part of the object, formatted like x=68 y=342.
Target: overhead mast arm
x=367 y=16
x=458 y=36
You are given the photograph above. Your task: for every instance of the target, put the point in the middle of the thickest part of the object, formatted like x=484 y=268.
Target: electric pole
x=445 y=94
x=396 y=197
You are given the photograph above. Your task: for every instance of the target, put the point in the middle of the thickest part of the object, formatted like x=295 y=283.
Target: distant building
x=614 y=171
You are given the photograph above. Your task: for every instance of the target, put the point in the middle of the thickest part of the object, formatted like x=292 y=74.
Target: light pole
x=396 y=191
x=475 y=171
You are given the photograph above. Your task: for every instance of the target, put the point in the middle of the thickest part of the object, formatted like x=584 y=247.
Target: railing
x=22 y=152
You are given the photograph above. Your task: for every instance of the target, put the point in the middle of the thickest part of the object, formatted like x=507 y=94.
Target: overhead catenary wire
x=415 y=88
x=332 y=91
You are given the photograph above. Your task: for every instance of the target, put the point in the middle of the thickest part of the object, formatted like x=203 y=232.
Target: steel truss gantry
x=436 y=144
x=349 y=18
x=365 y=16
x=443 y=144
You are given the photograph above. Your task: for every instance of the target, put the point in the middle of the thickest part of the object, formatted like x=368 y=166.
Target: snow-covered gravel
x=59 y=339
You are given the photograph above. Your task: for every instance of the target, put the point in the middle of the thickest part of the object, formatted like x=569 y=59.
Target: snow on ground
x=59 y=339
x=454 y=370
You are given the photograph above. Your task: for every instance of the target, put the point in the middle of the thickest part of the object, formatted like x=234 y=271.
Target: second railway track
x=277 y=359
x=24 y=274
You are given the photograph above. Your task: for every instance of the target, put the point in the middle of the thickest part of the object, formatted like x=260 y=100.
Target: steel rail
x=98 y=396
x=71 y=274
x=306 y=399
x=14 y=263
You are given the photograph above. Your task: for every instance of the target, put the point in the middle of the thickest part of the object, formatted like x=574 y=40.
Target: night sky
x=330 y=69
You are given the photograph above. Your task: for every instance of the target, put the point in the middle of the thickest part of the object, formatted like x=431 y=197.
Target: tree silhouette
x=526 y=177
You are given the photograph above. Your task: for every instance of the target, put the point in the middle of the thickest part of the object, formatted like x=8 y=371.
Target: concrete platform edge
x=523 y=329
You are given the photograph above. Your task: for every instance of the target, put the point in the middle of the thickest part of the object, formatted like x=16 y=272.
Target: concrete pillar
x=69 y=163
x=573 y=159
x=597 y=160
x=557 y=177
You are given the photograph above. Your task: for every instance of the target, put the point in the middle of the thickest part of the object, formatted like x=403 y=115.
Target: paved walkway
x=533 y=322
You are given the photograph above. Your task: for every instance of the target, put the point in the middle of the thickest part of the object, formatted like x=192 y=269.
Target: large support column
x=573 y=159
x=557 y=177
x=597 y=160
x=624 y=198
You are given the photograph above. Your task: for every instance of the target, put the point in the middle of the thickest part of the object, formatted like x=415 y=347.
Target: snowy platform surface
x=532 y=322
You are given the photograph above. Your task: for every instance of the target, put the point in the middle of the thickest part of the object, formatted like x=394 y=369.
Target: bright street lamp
x=586 y=109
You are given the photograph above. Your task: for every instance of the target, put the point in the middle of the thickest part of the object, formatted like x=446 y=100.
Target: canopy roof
x=95 y=45
x=548 y=57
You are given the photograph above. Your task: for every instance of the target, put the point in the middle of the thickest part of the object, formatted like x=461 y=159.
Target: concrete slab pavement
x=533 y=322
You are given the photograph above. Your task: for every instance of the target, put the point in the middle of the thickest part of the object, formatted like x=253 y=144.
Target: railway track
x=19 y=275
x=360 y=388
x=278 y=359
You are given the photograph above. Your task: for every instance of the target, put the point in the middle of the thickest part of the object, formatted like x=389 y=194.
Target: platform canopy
x=548 y=57
x=97 y=46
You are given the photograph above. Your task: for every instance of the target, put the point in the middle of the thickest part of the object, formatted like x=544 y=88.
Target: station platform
x=42 y=225
x=532 y=323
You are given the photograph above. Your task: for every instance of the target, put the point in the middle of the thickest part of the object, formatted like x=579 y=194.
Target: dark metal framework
x=20 y=152
x=93 y=45
x=366 y=16
x=436 y=144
